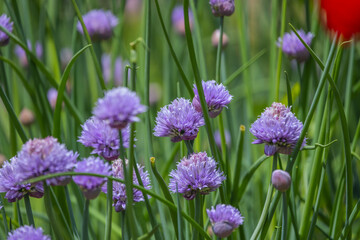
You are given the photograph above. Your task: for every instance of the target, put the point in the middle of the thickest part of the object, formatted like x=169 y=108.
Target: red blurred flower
x=341 y=16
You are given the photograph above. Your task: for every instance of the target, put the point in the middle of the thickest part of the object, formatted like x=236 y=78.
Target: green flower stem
x=219 y=48
x=346 y=230
x=28 y=210
x=50 y=212
x=198 y=214
x=85 y=234
x=349 y=80
x=3 y=214
x=239 y=160
x=293 y=216
x=226 y=162
x=71 y=212
x=18 y=212
x=189 y=146
x=284 y=217
x=109 y=202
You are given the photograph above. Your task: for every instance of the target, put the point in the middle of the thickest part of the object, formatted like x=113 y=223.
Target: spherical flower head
x=119 y=189
x=196 y=174
x=52 y=97
x=215 y=39
x=178 y=120
x=26 y=117
x=293 y=47
x=39 y=157
x=8 y=25
x=278 y=128
x=178 y=20
x=221 y=8
x=99 y=24
x=106 y=67
x=119 y=107
x=224 y=219
x=28 y=232
x=10 y=183
x=217 y=137
x=281 y=180
x=91 y=186
x=21 y=54
x=216 y=97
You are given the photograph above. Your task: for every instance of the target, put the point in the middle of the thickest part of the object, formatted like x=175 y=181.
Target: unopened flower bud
x=215 y=38
x=222 y=7
x=281 y=180
x=26 y=117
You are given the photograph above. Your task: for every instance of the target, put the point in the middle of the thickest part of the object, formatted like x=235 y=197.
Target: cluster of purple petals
x=178 y=21
x=178 y=120
x=99 y=24
x=91 y=186
x=10 y=183
x=28 y=232
x=221 y=8
x=21 y=54
x=196 y=174
x=119 y=189
x=119 y=107
x=39 y=157
x=293 y=47
x=8 y=25
x=224 y=219
x=106 y=67
x=216 y=97
x=278 y=128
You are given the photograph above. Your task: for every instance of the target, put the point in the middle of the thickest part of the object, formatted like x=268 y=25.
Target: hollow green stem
x=198 y=213
x=28 y=210
x=109 y=201
x=284 y=217
x=189 y=146
x=85 y=234
x=219 y=49
x=3 y=213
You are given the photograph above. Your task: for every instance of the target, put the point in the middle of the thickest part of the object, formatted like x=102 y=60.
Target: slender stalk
x=71 y=213
x=189 y=146
x=198 y=214
x=293 y=218
x=109 y=201
x=3 y=213
x=18 y=212
x=219 y=49
x=239 y=158
x=284 y=217
x=85 y=234
x=28 y=210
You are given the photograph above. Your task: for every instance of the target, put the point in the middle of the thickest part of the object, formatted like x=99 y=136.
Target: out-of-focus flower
x=196 y=174
x=26 y=117
x=281 y=180
x=278 y=128
x=21 y=54
x=103 y=138
x=293 y=47
x=65 y=57
x=28 y=232
x=2 y=159
x=99 y=24
x=178 y=20
x=154 y=93
x=39 y=157
x=10 y=183
x=133 y=7
x=119 y=189
x=178 y=120
x=118 y=69
x=119 y=107
x=216 y=97
x=52 y=97
x=91 y=186
x=215 y=39
x=217 y=137
x=222 y=7
x=8 y=25
x=224 y=219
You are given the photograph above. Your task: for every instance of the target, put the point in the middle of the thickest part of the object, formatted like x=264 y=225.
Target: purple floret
x=222 y=7
x=216 y=97
x=8 y=25
x=119 y=107
x=99 y=24
x=293 y=47
x=29 y=233
x=118 y=69
x=196 y=174
x=39 y=157
x=278 y=128
x=178 y=120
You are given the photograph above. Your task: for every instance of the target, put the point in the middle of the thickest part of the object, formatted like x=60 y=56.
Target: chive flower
x=8 y=25
x=27 y=232
x=52 y=97
x=178 y=120
x=281 y=180
x=224 y=219
x=196 y=174
x=222 y=8
x=106 y=67
x=21 y=54
x=216 y=96
x=278 y=128
x=178 y=20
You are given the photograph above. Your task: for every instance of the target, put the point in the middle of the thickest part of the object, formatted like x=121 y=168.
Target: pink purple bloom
x=119 y=107
x=99 y=24
x=39 y=157
x=28 y=232
x=103 y=138
x=224 y=219
x=215 y=38
x=217 y=137
x=178 y=20
x=8 y=25
x=216 y=97
x=91 y=186
x=281 y=180
x=106 y=67
x=196 y=174
x=178 y=120
x=293 y=47
x=119 y=189
x=278 y=128
x=21 y=54
x=10 y=183
x=52 y=97
x=222 y=7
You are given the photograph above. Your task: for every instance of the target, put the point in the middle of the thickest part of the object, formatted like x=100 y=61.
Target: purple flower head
x=119 y=189
x=103 y=138
x=91 y=186
x=217 y=137
x=293 y=47
x=281 y=180
x=118 y=71
x=154 y=93
x=52 y=97
x=216 y=97
x=8 y=25
x=10 y=183
x=178 y=120
x=224 y=219
x=178 y=21
x=196 y=174
x=28 y=232
x=21 y=54
x=278 y=128
x=221 y=8
x=39 y=157
x=119 y=107
x=99 y=24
